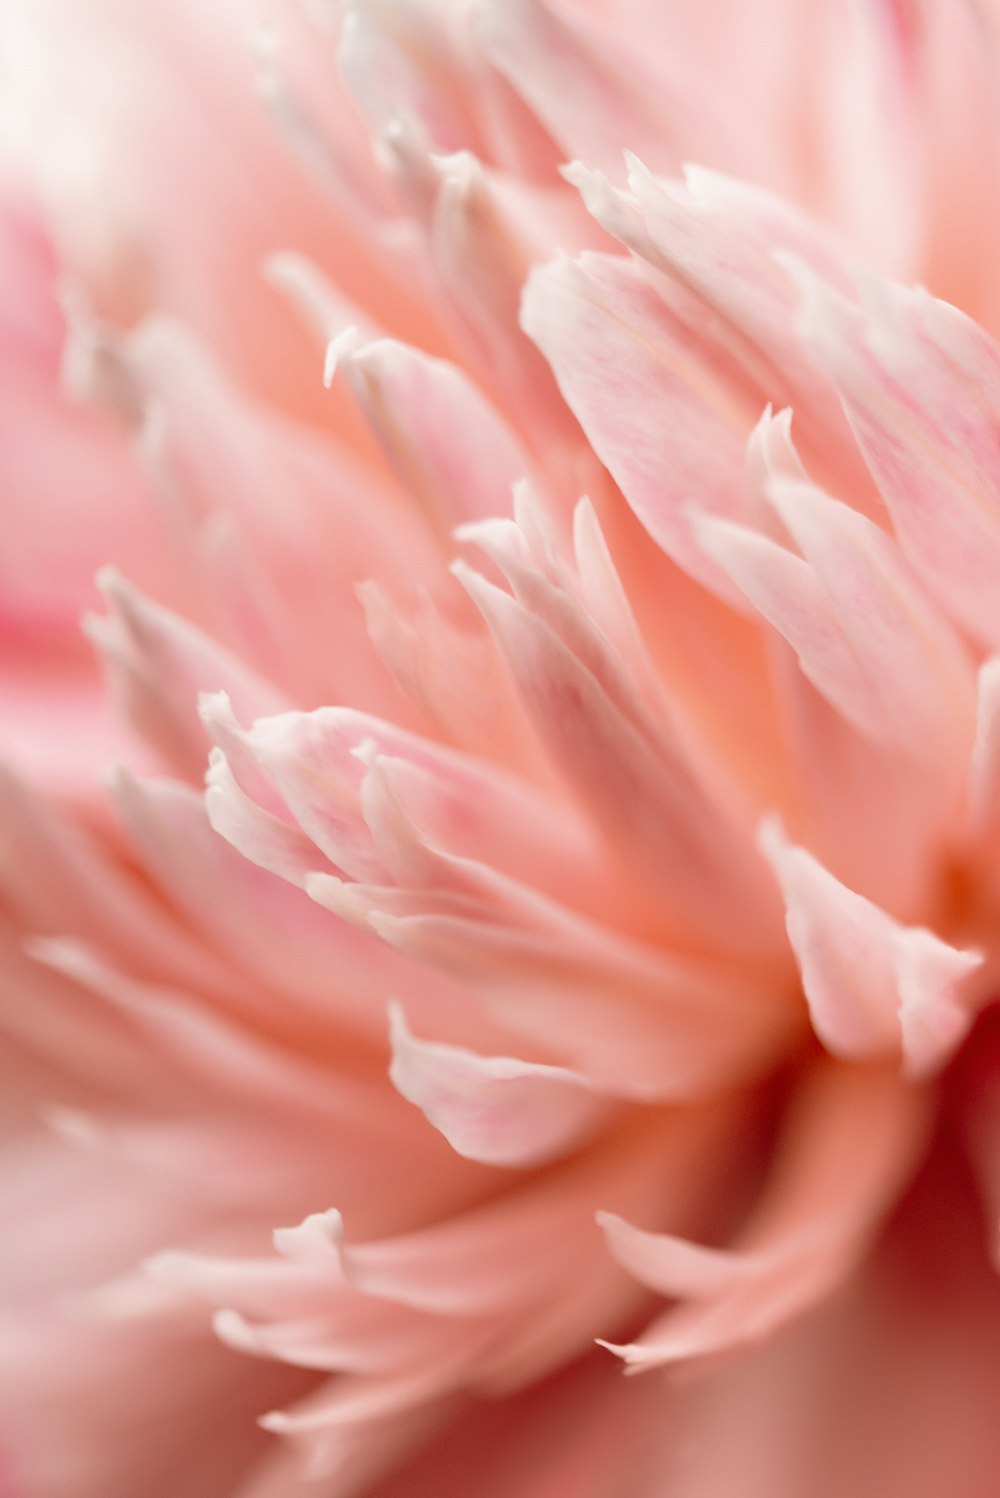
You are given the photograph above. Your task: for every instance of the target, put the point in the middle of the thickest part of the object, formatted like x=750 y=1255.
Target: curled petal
x=921 y=386
x=497 y=1109
x=873 y=986
x=851 y=1142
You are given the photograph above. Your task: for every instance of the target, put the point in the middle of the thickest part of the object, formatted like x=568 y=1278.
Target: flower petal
x=497 y=1110
x=921 y=387
x=872 y=985
x=850 y=1144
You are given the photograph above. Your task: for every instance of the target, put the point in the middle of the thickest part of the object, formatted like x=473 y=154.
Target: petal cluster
x=544 y=891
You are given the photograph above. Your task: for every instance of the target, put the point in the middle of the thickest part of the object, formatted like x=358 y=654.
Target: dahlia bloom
x=535 y=883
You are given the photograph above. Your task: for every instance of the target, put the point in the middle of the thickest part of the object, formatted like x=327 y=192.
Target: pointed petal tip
x=341 y=349
x=276 y=1422
x=215 y=709
x=535 y=291
x=575 y=171
x=342 y=899
x=112 y=583
x=399 y=1030
x=637 y=168
x=635 y=1359
x=317 y=1239
x=772 y=839
x=592 y=185
x=619 y=1349
x=608 y=1221
x=233 y=1330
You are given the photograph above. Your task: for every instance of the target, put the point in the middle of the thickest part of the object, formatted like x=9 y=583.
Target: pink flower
x=589 y=931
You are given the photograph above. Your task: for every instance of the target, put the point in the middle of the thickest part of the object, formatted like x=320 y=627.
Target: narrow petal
x=662 y=411
x=401 y=60
x=648 y=801
x=445 y=441
x=158 y=664
x=446 y=665
x=861 y=627
x=887 y=1388
x=717 y=239
x=560 y=982
x=921 y=387
x=497 y=1109
x=593 y=92
x=481 y=233
x=58 y=879
x=523 y=1245
x=270 y=581
x=984 y=768
x=850 y=1145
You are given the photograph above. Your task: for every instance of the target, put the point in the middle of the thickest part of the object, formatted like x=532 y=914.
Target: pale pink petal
x=483 y=232
x=446 y=443
x=873 y=986
x=582 y=1432
x=650 y=804
x=495 y=1109
x=716 y=238
x=408 y=60
x=414 y=819
x=217 y=460
x=888 y=1387
x=158 y=665
x=445 y=663
x=921 y=387
x=691 y=1027
x=592 y=90
x=374 y=797
x=984 y=766
x=333 y=1345
x=329 y=976
x=771 y=456
x=60 y=878
x=507 y=1253
x=854 y=1140
x=55 y=1045
x=862 y=629
x=263 y=838
x=648 y=395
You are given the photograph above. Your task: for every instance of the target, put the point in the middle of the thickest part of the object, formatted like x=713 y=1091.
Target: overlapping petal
x=471 y=935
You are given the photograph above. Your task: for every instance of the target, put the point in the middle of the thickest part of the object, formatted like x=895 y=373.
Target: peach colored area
x=522 y=872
